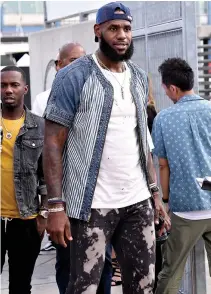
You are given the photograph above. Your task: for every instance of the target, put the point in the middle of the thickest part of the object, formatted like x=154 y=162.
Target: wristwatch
x=154 y=189
x=44 y=213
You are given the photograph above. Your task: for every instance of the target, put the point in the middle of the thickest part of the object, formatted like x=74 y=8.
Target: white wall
x=44 y=46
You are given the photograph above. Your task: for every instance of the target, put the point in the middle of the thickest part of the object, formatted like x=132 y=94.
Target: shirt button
x=33 y=144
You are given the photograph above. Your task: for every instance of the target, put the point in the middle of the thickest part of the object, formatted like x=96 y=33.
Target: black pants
x=158 y=263
x=131 y=232
x=20 y=239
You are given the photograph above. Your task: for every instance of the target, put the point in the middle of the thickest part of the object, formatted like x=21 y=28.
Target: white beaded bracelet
x=56 y=209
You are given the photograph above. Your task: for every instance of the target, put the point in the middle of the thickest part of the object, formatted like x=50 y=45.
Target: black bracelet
x=55 y=201
x=165 y=200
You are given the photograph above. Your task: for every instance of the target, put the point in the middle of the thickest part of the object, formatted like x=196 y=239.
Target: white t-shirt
x=149 y=140
x=120 y=180
x=40 y=103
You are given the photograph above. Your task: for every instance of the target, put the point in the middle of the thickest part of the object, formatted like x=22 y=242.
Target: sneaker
x=48 y=247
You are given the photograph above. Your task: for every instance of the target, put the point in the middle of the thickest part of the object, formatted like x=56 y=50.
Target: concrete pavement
x=43 y=281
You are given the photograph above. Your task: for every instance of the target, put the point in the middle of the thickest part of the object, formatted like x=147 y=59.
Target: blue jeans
x=63 y=270
x=106 y=277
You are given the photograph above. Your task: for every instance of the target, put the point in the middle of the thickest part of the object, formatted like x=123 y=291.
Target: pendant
x=8 y=135
x=122 y=91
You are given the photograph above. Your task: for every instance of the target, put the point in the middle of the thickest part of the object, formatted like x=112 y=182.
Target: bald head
x=70 y=52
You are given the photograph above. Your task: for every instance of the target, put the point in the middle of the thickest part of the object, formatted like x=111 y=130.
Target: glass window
x=10 y=7
x=23 y=7
x=203 y=7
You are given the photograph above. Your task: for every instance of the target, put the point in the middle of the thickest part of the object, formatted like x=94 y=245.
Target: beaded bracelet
x=55 y=198
x=56 y=209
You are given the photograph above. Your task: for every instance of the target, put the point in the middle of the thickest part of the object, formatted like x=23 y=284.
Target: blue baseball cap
x=108 y=12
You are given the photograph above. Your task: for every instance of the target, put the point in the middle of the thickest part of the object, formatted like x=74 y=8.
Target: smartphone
x=159 y=226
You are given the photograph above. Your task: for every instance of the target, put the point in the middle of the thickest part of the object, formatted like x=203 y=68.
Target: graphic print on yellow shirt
x=9 y=207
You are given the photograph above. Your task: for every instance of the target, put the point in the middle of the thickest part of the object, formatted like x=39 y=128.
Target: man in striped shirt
x=96 y=155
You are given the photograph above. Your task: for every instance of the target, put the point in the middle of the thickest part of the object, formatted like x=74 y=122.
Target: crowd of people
x=80 y=166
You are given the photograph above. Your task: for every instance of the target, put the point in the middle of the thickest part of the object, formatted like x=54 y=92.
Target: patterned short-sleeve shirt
x=182 y=135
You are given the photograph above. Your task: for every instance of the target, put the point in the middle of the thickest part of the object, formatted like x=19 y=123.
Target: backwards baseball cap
x=110 y=12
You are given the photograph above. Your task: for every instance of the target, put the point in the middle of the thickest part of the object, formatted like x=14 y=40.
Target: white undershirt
x=195 y=215
x=149 y=140
x=120 y=180
x=40 y=103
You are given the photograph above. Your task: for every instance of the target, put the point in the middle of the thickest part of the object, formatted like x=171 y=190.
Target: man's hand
x=160 y=211
x=58 y=227
x=41 y=225
x=166 y=206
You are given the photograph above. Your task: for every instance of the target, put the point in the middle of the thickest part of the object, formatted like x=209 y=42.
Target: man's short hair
x=177 y=72
x=15 y=68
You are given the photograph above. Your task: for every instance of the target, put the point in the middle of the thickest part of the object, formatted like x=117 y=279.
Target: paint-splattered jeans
x=131 y=232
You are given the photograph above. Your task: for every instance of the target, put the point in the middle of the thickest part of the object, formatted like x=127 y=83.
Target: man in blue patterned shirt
x=182 y=139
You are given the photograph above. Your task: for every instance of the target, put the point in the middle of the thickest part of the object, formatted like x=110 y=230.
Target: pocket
x=33 y=143
x=32 y=149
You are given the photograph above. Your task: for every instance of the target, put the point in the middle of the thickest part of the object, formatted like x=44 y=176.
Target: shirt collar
x=187 y=98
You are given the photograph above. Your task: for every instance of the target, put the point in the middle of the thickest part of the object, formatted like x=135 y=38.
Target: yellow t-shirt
x=9 y=207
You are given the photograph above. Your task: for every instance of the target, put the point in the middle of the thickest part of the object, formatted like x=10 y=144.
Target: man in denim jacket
x=23 y=215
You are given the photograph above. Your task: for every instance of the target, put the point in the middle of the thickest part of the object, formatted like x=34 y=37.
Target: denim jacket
x=28 y=171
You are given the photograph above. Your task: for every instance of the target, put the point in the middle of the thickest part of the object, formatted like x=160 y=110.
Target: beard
x=9 y=106
x=112 y=54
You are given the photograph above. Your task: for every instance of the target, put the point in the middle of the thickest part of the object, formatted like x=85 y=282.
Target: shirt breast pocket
x=32 y=149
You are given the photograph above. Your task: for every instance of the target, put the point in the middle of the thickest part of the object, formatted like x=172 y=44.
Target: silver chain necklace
x=123 y=70
x=9 y=133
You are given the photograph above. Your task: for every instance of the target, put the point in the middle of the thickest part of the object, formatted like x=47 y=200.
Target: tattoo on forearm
x=151 y=169
x=55 y=138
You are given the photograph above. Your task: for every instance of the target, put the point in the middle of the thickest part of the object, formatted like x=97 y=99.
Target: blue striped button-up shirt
x=81 y=99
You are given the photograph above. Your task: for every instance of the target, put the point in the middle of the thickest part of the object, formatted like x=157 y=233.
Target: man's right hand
x=58 y=227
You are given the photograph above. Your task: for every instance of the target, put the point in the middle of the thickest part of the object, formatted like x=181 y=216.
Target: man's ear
x=173 y=88
x=97 y=31
x=59 y=64
x=26 y=89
